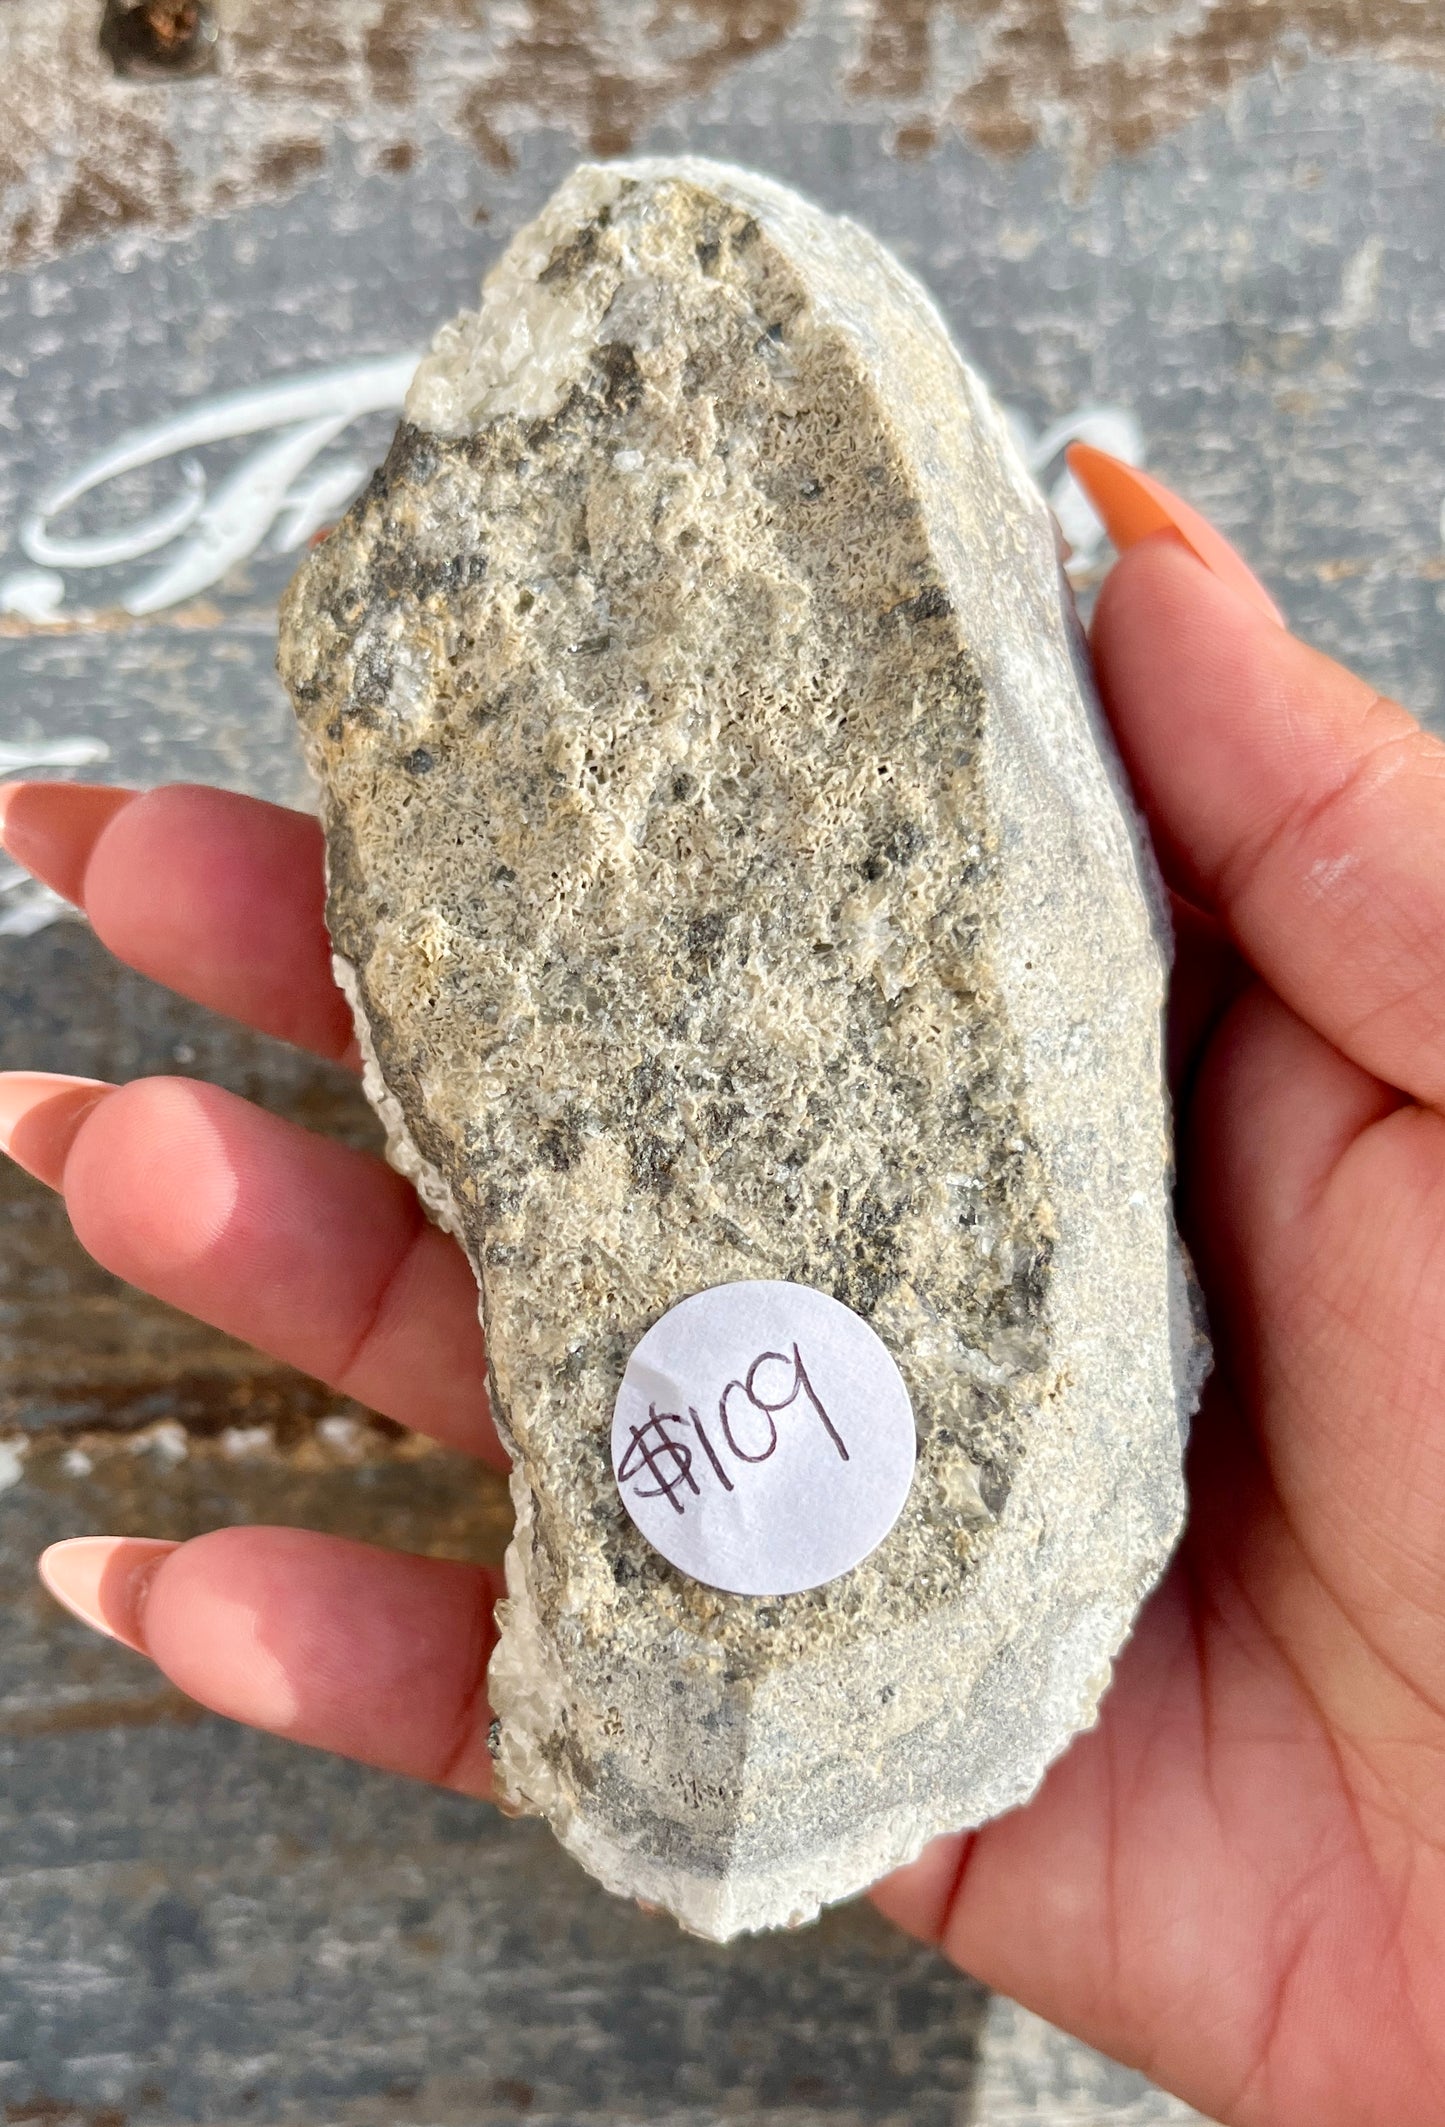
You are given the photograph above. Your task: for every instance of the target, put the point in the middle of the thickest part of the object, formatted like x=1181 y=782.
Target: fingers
x=217 y=896
x=315 y=1253
x=369 y=1653
x=1290 y=800
x=102 y=1580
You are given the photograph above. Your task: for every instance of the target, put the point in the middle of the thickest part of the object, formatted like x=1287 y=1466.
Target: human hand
x=1237 y=1881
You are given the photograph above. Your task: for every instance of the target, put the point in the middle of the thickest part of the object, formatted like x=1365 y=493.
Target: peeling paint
x=1095 y=82
x=85 y=155
x=1359 y=287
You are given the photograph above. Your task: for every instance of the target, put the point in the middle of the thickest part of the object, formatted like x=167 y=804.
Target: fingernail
x=40 y=1113
x=1133 y=504
x=52 y=828
x=103 y=1580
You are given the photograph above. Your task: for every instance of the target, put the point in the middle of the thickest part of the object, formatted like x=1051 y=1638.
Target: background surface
x=1218 y=224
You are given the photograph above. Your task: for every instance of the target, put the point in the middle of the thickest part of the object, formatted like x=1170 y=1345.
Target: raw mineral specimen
x=733 y=880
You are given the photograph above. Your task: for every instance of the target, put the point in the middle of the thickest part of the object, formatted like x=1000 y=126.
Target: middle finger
x=313 y=1252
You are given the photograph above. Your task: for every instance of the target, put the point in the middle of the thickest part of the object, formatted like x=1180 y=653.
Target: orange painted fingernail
x=51 y=828
x=40 y=1113
x=103 y=1580
x=1133 y=505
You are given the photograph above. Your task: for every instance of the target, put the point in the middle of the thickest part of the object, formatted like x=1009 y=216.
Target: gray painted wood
x=1236 y=240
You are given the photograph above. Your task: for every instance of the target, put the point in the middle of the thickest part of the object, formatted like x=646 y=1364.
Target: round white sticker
x=763 y=1439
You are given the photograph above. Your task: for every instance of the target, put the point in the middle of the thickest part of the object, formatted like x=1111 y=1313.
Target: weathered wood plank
x=1212 y=227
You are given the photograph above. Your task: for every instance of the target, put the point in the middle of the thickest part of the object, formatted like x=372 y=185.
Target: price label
x=763 y=1440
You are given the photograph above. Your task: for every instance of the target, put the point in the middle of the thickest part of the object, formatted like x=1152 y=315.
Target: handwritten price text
x=747 y=1429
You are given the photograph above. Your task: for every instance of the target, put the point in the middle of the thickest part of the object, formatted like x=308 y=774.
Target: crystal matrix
x=733 y=881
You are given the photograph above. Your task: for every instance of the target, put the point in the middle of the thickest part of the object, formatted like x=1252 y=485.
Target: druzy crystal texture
x=733 y=880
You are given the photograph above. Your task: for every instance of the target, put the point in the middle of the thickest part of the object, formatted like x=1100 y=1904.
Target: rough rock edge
x=528 y=1666
x=1063 y=1643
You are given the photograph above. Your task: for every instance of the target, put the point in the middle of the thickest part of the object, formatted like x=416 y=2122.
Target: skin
x=1237 y=1880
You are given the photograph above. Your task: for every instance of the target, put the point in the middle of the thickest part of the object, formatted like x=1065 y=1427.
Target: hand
x=1237 y=1881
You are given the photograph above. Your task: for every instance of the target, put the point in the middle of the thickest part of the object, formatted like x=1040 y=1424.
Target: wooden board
x=1211 y=227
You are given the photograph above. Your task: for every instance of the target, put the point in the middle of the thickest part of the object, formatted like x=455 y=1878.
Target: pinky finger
x=376 y=1655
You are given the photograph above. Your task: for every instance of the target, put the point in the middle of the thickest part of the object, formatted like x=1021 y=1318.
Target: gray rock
x=733 y=879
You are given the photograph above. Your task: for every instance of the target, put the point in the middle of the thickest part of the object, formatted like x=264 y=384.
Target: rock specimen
x=734 y=882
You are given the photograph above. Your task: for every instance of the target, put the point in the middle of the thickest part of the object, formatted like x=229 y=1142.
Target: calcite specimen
x=734 y=881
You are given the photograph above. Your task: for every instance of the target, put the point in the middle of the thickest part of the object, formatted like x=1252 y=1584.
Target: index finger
x=1290 y=799
x=218 y=896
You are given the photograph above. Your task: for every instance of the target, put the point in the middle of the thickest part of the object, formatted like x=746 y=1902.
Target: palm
x=1238 y=1880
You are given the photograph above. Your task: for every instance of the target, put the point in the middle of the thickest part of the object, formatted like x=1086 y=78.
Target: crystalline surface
x=733 y=881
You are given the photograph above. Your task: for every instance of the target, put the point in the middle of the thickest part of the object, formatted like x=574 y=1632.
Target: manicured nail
x=40 y=1113
x=1133 y=504
x=103 y=1580
x=51 y=828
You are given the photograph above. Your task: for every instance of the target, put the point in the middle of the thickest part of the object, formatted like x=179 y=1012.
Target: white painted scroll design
x=1108 y=428
x=209 y=532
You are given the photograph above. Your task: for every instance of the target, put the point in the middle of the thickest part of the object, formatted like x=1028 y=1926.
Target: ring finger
x=374 y=1654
